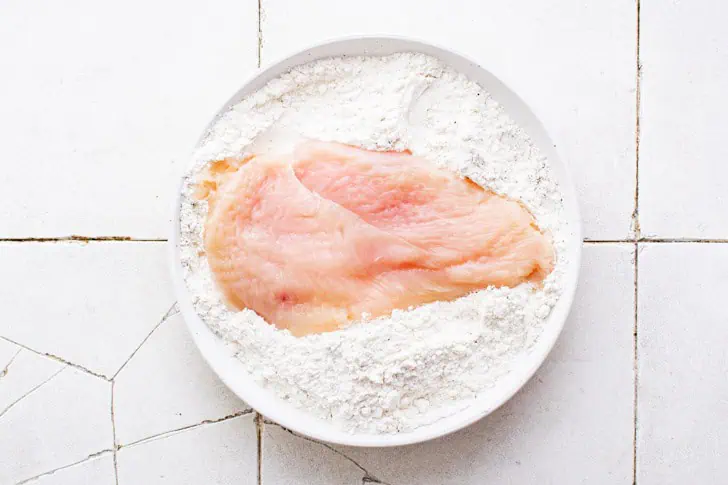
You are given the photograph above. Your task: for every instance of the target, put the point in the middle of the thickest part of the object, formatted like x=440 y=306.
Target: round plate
x=232 y=371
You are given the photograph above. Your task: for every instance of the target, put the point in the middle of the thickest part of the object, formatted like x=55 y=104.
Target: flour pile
x=398 y=373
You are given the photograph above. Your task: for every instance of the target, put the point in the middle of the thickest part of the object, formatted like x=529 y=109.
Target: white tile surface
x=98 y=98
x=683 y=392
x=293 y=460
x=27 y=371
x=220 y=453
x=573 y=62
x=90 y=304
x=683 y=174
x=100 y=102
x=167 y=386
x=96 y=471
x=62 y=422
x=573 y=422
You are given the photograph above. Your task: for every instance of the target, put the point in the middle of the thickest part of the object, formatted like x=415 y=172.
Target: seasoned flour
x=417 y=366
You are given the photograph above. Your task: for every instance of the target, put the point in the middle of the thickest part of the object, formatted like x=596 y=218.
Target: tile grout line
x=638 y=95
x=608 y=241
x=14 y=403
x=57 y=359
x=113 y=433
x=259 y=425
x=260 y=33
x=655 y=240
x=368 y=477
x=64 y=467
x=76 y=238
x=167 y=315
x=167 y=434
x=637 y=238
x=635 y=361
x=4 y=372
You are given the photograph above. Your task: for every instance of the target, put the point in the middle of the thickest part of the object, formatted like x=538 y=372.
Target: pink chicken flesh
x=313 y=241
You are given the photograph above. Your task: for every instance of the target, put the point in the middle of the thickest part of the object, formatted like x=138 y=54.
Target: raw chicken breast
x=312 y=242
x=471 y=233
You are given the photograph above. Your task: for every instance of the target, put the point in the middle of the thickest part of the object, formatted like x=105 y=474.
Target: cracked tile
x=683 y=175
x=8 y=351
x=93 y=116
x=220 y=453
x=571 y=424
x=27 y=371
x=96 y=471
x=582 y=54
x=682 y=425
x=290 y=459
x=167 y=385
x=62 y=422
x=98 y=300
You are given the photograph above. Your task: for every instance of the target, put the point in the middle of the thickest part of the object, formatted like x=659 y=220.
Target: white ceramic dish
x=233 y=373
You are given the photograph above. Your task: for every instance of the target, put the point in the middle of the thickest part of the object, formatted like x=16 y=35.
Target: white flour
x=398 y=373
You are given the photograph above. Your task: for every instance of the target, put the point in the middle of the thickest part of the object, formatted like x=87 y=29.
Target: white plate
x=233 y=373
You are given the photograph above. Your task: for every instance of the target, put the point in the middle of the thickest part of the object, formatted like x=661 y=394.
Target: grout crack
x=169 y=433
x=113 y=433
x=58 y=359
x=4 y=372
x=173 y=310
x=64 y=467
x=12 y=404
x=370 y=480
x=368 y=477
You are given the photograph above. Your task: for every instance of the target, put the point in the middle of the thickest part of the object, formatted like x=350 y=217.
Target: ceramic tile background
x=99 y=381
